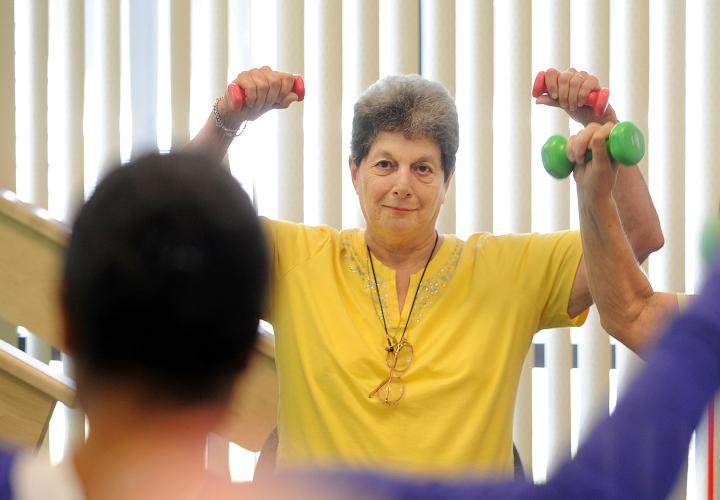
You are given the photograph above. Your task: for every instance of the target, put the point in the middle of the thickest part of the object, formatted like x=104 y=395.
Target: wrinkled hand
x=569 y=90
x=265 y=89
x=596 y=178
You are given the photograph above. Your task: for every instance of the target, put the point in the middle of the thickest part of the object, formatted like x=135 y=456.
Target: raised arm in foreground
x=639 y=219
x=629 y=308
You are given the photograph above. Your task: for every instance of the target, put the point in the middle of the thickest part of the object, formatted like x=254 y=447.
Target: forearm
x=637 y=212
x=210 y=141
x=618 y=286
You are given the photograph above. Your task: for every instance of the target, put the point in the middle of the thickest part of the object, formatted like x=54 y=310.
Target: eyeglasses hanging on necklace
x=400 y=353
x=398 y=359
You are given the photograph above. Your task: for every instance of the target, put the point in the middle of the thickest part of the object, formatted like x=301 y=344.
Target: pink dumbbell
x=596 y=99
x=237 y=94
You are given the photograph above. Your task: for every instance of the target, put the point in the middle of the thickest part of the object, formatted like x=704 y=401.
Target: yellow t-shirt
x=480 y=303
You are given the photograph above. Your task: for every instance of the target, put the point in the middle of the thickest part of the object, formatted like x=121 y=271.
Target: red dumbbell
x=596 y=99
x=237 y=94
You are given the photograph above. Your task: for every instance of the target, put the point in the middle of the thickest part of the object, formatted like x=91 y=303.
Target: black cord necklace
x=391 y=346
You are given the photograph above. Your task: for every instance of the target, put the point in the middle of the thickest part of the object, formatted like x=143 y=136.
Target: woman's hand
x=264 y=89
x=595 y=179
x=569 y=90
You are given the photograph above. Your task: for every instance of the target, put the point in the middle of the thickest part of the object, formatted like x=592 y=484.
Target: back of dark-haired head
x=410 y=104
x=165 y=278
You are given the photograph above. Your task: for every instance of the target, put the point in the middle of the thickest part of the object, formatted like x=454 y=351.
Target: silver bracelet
x=228 y=132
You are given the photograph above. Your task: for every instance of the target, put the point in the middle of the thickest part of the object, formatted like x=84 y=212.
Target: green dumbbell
x=625 y=144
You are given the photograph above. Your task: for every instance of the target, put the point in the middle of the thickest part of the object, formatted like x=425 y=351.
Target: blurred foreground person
x=162 y=288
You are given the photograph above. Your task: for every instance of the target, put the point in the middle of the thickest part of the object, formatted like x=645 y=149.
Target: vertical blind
x=551 y=41
x=80 y=78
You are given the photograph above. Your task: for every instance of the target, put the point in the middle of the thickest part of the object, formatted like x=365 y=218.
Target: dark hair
x=410 y=104
x=165 y=278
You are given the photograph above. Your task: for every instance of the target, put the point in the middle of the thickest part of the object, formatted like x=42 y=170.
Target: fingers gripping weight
x=597 y=99
x=237 y=94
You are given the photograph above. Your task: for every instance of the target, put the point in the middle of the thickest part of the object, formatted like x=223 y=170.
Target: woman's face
x=400 y=185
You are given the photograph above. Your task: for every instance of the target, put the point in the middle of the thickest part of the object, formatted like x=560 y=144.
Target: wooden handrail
x=29 y=391
x=253 y=412
x=38 y=220
x=30 y=262
x=36 y=374
x=266 y=343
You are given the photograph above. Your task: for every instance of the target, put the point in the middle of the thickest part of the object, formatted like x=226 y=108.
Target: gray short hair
x=410 y=104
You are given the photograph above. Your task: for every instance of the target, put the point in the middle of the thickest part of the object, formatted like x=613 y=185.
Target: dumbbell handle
x=596 y=99
x=626 y=145
x=237 y=94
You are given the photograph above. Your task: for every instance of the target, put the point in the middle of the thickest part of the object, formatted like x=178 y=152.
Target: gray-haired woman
x=398 y=347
